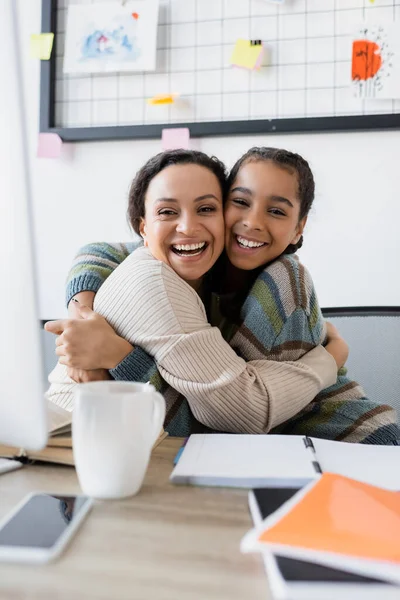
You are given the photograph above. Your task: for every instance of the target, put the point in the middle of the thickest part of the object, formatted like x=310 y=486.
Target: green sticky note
x=41 y=45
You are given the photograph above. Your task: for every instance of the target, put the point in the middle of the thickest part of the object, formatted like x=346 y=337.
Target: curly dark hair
x=293 y=163
x=156 y=164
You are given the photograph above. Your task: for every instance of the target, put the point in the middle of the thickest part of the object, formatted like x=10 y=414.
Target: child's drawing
x=375 y=69
x=109 y=37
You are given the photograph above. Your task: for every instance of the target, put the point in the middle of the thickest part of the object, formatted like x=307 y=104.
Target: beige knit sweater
x=148 y=304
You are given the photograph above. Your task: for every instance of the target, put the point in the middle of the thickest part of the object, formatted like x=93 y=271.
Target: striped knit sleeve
x=93 y=264
x=137 y=366
x=281 y=317
x=149 y=305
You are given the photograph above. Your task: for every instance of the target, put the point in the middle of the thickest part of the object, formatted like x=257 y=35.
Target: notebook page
x=376 y=465
x=227 y=458
x=59 y=418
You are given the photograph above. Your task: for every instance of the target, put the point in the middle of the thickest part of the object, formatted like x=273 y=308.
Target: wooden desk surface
x=168 y=542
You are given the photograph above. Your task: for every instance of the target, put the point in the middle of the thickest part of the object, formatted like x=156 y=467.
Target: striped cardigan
x=281 y=321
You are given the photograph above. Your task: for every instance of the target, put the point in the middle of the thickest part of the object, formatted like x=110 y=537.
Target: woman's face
x=261 y=214
x=183 y=224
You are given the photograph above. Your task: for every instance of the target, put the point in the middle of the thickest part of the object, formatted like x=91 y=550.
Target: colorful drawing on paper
x=105 y=38
x=375 y=67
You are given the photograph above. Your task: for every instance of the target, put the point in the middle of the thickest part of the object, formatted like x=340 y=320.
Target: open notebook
x=59 y=445
x=252 y=461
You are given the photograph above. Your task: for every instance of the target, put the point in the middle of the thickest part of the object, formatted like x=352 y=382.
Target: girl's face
x=184 y=223
x=261 y=214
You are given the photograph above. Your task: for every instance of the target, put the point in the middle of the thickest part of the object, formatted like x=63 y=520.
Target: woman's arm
x=150 y=306
x=91 y=266
x=336 y=345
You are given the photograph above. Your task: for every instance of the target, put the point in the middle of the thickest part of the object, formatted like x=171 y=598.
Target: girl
x=270 y=194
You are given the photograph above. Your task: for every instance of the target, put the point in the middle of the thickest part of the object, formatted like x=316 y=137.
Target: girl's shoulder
x=288 y=283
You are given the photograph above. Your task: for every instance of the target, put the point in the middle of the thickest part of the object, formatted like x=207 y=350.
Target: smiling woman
x=183 y=223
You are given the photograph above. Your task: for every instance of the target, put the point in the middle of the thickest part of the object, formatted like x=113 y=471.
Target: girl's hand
x=336 y=345
x=81 y=299
x=88 y=342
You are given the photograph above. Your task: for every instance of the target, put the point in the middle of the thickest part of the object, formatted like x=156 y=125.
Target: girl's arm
x=93 y=264
x=281 y=318
x=150 y=306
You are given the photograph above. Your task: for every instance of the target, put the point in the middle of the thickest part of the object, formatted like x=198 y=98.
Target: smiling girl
x=266 y=302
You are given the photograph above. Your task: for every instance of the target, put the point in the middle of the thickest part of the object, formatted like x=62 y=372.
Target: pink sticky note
x=49 y=145
x=177 y=137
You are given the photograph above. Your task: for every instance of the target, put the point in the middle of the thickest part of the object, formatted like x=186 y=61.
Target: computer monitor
x=23 y=420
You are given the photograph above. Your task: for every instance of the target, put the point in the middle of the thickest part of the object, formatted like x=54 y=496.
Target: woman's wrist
x=339 y=349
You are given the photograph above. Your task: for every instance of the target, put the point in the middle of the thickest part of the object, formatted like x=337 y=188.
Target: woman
x=177 y=210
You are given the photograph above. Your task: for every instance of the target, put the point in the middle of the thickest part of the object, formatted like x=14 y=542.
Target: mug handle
x=158 y=414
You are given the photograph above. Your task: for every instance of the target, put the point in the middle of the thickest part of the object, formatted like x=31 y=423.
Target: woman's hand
x=336 y=345
x=82 y=376
x=88 y=342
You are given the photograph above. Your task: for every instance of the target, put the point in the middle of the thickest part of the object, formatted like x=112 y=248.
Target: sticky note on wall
x=162 y=99
x=49 y=145
x=41 y=45
x=175 y=137
x=247 y=54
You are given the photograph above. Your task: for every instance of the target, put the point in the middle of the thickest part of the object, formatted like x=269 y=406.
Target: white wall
x=352 y=240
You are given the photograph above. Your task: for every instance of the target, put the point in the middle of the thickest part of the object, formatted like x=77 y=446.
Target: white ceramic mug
x=114 y=427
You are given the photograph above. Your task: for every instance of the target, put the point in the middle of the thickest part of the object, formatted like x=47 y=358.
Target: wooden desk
x=168 y=542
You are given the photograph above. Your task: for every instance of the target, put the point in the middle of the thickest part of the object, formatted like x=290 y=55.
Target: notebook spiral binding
x=315 y=463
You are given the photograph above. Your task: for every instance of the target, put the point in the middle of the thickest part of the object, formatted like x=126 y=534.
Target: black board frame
x=211 y=128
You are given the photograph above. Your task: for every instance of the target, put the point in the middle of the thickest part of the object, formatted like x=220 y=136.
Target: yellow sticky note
x=247 y=55
x=41 y=45
x=163 y=99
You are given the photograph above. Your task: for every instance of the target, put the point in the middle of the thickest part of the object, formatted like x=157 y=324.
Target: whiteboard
x=304 y=84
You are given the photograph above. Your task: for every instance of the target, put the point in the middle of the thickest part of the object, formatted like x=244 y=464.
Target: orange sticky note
x=49 y=145
x=175 y=137
x=163 y=99
x=41 y=45
x=247 y=55
x=342 y=516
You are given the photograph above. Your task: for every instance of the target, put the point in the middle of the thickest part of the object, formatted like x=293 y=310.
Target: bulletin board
x=303 y=85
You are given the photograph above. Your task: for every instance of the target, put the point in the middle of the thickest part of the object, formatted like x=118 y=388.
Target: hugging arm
x=149 y=305
x=93 y=264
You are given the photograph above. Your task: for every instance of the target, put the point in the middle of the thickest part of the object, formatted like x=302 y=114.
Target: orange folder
x=343 y=516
